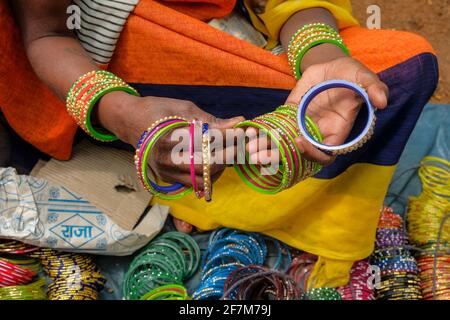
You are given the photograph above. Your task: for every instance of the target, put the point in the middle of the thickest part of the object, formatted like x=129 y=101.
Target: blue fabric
x=431 y=137
x=411 y=85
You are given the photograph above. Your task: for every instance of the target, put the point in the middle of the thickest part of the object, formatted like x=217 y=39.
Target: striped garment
x=102 y=22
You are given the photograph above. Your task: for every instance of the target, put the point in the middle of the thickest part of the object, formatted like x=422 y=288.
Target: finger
x=257 y=144
x=182 y=226
x=311 y=153
x=377 y=90
x=336 y=139
x=265 y=157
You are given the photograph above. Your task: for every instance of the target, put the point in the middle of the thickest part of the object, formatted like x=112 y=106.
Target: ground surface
x=429 y=18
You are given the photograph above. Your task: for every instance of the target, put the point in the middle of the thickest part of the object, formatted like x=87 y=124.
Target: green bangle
x=147 y=151
x=289 y=134
x=280 y=130
x=169 y=292
x=192 y=247
x=284 y=178
x=304 y=50
x=251 y=169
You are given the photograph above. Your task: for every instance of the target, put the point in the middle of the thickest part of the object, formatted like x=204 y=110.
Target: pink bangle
x=192 y=127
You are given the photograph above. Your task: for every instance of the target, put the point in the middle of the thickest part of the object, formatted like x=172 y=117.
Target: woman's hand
x=335 y=110
x=128 y=116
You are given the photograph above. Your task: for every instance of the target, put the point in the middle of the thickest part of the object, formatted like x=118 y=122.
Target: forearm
x=321 y=53
x=59 y=61
x=58 y=58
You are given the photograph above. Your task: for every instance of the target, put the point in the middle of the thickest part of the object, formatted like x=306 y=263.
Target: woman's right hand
x=128 y=116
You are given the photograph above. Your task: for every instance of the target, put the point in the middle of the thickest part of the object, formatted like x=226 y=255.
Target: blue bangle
x=347 y=147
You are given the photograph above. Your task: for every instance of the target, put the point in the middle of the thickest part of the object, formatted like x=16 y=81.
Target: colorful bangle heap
x=279 y=125
x=158 y=271
x=307 y=37
x=84 y=95
x=143 y=150
x=229 y=250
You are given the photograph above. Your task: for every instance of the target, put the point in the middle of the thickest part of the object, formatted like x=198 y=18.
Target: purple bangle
x=347 y=147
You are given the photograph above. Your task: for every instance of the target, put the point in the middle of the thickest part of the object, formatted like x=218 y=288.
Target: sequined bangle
x=351 y=145
x=206 y=165
x=193 y=130
x=307 y=37
x=162 y=266
x=84 y=95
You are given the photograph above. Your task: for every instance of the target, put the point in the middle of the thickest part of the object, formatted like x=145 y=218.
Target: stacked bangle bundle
x=161 y=267
x=13 y=275
x=301 y=268
x=73 y=276
x=429 y=228
x=323 y=294
x=358 y=287
x=399 y=279
x=280 y=126
x=350 y=146
x=307 y=37
x=260 y=283
x=86 y=92
x=15 y=247
x=229 y=250
x=32 y=291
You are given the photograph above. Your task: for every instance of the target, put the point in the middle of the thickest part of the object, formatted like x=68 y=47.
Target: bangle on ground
x=349 y=146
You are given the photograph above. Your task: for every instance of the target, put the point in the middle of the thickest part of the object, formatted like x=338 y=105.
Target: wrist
x=322 y=53
x=110 y=110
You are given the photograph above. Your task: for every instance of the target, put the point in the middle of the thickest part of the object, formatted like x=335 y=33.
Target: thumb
x=378 y=94
x=377 y=90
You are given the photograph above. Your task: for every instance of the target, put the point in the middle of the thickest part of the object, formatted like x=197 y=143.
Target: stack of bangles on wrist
x=149 y=139
x=307 y=37
x=84 y=95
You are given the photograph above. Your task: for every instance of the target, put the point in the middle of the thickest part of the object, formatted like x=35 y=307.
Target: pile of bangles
x=429 y=228
x=72 y=276
x=160 y=268
x=230 y=250
x=282 y=126
x=19 y=274
x=398 y=271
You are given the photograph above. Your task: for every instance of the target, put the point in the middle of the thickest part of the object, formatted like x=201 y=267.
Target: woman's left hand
x=335 y=110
